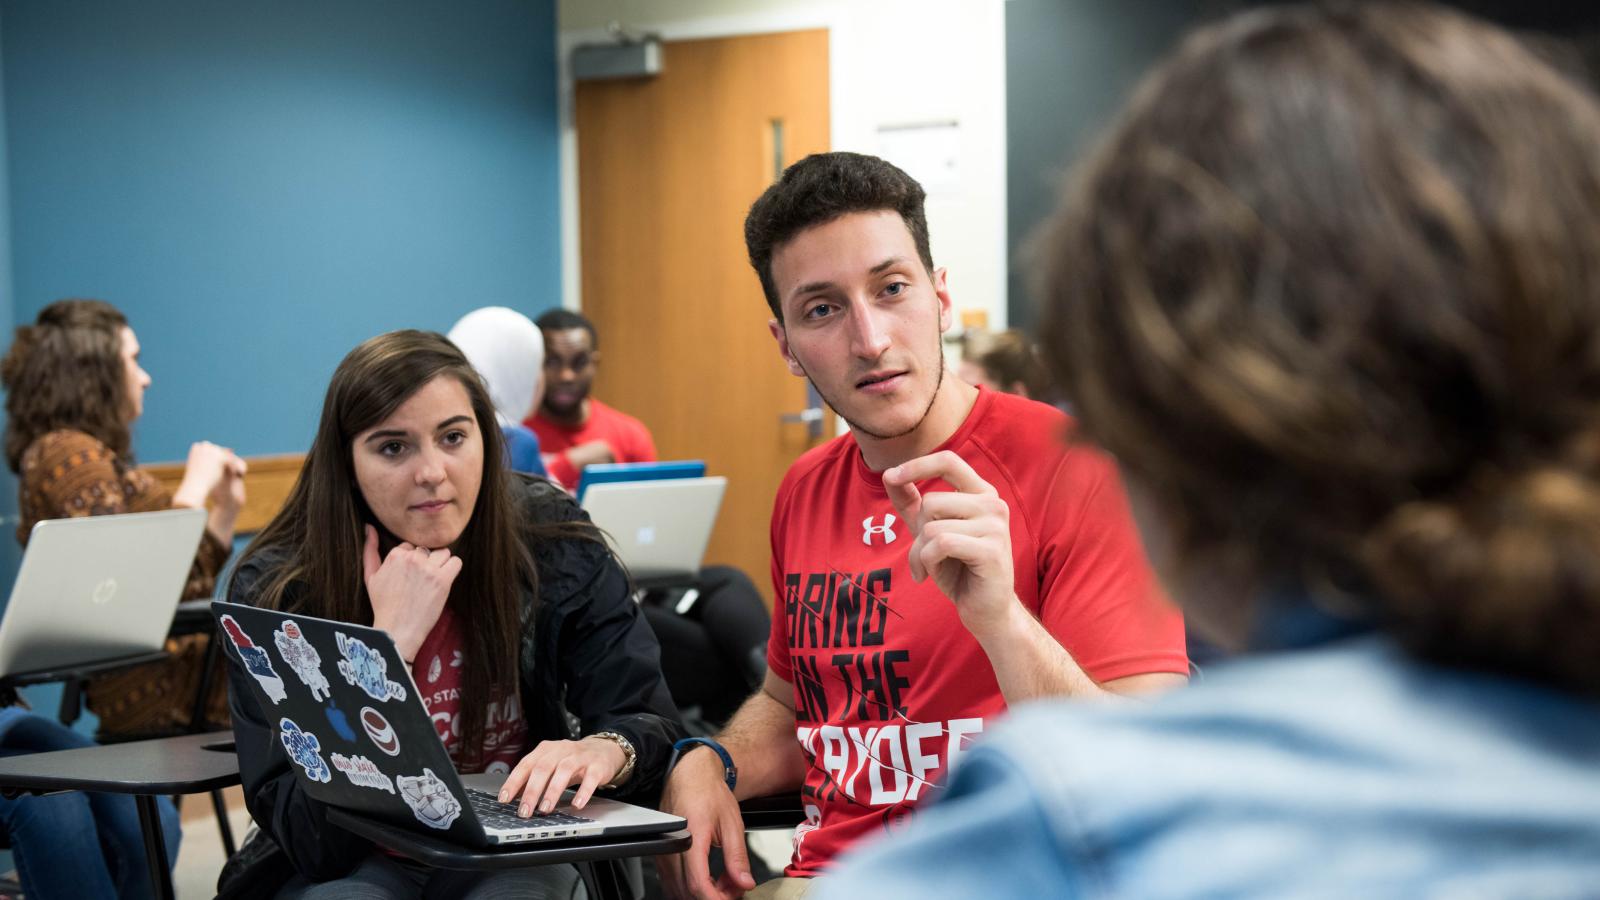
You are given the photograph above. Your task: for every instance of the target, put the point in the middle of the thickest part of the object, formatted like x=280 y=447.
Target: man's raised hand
x=962 y=538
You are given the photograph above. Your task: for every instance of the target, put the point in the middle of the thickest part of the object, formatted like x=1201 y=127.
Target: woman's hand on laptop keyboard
x=554 y=766
x=408 y=589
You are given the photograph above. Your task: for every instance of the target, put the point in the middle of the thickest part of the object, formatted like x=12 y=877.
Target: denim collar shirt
x=1344 y=768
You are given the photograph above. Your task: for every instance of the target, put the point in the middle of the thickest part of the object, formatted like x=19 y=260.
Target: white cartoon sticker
x=429 y=799
x=381 y=732
x=366 y=668
x=255 y=661
x=362 y=772
x=305 y=750
x=303 y=658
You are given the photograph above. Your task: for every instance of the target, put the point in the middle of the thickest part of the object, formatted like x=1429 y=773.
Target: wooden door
x=667 y=168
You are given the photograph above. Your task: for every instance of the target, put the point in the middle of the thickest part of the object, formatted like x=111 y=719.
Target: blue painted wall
x=10 y=553
x=262 y=186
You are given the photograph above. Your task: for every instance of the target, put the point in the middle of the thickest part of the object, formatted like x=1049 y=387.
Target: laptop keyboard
x=494 y=814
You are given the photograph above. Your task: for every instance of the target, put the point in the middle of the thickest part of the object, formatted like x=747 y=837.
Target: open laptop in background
x=614 y=473
x=98 y=588
x=353 y=724
x=659 y=528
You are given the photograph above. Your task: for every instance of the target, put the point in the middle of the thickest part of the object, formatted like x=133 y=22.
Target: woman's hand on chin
x=408 y=589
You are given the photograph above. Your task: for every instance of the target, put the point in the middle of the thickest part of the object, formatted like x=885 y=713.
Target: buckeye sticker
x=255 y=661
x=366 y=668
x=303 y=658
x=380 y=731
x=429 y=799
x=305 y=750
x=362 y=772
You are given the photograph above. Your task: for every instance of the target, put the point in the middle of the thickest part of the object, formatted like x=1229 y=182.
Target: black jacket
x=587 y=643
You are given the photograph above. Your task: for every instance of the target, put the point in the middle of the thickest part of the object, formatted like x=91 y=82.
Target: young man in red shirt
x=947 y=558
x=576 y=430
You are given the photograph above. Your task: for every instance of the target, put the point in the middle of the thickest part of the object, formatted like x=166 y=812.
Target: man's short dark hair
x=820 y=188
x=561 y=319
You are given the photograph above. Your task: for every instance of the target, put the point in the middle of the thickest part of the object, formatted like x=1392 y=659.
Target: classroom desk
x=446 y=855
x=774 y=811
x=188 y=764
x=73 y=677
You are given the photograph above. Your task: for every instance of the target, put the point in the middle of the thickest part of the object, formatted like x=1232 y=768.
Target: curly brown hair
x=1330 y=293
x=66 y=371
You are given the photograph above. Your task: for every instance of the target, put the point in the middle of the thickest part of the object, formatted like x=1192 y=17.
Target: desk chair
x=145 y=769
x=192 y=617
x=774 y=811
x=600 y=862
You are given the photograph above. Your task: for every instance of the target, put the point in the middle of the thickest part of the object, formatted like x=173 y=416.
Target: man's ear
x=782 y=337
x=594 y=358
x=941 y=289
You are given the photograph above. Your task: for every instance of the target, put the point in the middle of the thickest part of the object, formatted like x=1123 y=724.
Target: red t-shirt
x=437 y=672
x=628 y=438
x=890 y=688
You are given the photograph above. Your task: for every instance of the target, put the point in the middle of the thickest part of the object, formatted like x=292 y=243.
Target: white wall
x=894 y=63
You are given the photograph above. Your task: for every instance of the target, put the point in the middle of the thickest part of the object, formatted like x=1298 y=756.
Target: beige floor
x=200 y=855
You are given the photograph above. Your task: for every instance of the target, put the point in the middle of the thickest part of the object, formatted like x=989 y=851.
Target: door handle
x=811 y=416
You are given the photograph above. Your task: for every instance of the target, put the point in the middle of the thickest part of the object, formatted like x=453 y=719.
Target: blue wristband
x=731 y=772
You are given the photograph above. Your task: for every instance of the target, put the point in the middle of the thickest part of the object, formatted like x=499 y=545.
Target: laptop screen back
x=617 y=473
x=97 y=588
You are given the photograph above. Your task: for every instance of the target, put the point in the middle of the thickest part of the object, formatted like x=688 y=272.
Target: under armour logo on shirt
x=886 y=530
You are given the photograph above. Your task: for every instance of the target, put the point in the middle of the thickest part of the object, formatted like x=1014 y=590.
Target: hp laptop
x=659 y=528
x=353 y=724
x=613 y=473
x=98 y=588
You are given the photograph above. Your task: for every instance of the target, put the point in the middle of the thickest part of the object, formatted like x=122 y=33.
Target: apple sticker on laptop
x=429 y=799
x=338 y=722
x=381 y=732
x=303 y=658
x=304 y=749
x=366 y=668
x=255 y=661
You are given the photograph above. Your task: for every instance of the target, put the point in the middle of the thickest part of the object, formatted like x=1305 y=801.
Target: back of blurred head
x=1330 y=293
x=507 y=349
x=1007 y=361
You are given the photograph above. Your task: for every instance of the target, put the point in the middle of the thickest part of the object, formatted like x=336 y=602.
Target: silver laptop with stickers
x=658 y=527
x=353 y=723
x=97 y=588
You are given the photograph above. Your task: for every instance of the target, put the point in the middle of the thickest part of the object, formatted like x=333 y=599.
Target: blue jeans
x=74 y=844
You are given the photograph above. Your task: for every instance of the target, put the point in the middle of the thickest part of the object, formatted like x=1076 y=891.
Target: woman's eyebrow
x=385 y=434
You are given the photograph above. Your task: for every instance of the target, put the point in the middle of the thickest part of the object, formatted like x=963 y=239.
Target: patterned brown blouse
x=67 y=474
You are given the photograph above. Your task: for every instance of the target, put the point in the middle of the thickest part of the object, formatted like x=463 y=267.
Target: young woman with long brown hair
x=406 y=518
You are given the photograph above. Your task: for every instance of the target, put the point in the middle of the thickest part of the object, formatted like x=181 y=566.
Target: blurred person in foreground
x=1328 y=292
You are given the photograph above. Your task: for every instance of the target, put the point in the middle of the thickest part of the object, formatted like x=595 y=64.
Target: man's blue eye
x=821 y=310
x=896 y=289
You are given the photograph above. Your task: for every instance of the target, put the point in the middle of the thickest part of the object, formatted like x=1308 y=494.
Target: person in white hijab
x=507 y=349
